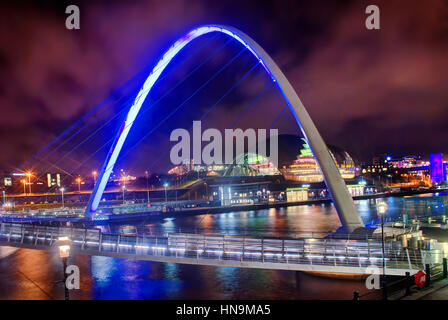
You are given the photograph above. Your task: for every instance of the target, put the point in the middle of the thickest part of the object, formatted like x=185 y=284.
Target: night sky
x=368 y=91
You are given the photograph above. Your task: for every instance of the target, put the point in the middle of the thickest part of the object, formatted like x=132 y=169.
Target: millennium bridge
x=328 y=255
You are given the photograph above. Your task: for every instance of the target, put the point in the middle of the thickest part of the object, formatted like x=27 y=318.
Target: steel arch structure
x=342 y=200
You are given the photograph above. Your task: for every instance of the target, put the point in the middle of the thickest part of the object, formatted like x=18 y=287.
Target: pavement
x=440 y=293
x=437 y=291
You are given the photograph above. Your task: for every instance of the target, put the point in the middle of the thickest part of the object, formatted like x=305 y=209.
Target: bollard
x=428 y=275
x=408 y=283
x=355 y=295
x=445 y=268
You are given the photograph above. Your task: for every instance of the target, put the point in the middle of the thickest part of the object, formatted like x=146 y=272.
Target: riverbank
x=244 y=207
x=139 y=215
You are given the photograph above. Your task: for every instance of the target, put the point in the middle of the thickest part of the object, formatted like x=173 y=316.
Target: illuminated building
x=305 y=168
x=251 y=164
x=122 y=178
x=53 y=180
x=241 y=193
x=407 y=162
x=437 y=168
x=7 y=181
x=356 y=189
x=247 y=164
x=296 y=194
x=218 y=168
x=178 y=170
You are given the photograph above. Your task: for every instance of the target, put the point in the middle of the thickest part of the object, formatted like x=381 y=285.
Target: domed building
x=252 y=178
x=251 y=164
x=295 y=158
x=304 y=167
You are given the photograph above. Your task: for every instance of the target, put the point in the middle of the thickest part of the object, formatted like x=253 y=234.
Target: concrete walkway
x=437 y=291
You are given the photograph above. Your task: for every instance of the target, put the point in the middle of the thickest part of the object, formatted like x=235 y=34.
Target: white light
x=382 y=206
x=64 y=248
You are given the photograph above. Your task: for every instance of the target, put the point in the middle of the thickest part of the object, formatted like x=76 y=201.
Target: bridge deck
x=319 y=255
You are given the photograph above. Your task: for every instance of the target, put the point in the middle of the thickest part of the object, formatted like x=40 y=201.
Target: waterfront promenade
x=138 y=211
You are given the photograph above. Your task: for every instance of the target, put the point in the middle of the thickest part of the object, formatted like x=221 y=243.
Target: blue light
x=436 y=168
x=141 y=96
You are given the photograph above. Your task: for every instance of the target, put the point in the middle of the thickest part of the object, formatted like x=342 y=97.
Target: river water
x=32 y=274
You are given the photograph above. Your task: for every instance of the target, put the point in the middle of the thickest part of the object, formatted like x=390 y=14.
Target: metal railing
x=314 y=252
x=158 y=230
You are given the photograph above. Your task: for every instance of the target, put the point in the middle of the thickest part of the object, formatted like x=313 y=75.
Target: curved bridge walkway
x=318 y=255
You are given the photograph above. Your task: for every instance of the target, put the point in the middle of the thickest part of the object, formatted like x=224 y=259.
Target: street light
x=4 y=197
x=165 y=185
x=78 y=180
x=29 y=174
x=124 y=178
x=123 y=188
x=24 y=186
x=94 y=173
x=147 y=185
x=62 y=191
x=64 y=253
x=176 y=182
x=382 y=207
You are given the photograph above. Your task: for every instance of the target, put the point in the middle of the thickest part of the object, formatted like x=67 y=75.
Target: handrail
x=312 y=252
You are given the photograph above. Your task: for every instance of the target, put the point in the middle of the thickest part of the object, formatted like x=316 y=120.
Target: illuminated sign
x=7 y=182
x=53 y=180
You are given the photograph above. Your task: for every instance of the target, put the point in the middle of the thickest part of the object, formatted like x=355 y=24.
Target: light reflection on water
x=29 y=274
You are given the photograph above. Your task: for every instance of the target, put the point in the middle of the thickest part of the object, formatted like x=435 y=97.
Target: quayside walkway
x=318 y=255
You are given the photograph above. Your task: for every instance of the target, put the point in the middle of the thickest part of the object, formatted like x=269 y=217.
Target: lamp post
x=124 y=178
x=382 y=206
x=94 y=173
x=147 y=185
x=62 y=196
x=123 y=188
x=78 y=180
x=165 y=185
x=4 y=197
x=177 y=185
x=24 y=186
x=29 y=174
x=64 y=253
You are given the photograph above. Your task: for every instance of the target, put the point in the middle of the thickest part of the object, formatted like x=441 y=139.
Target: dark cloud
x=368 y=91
x=393 y=79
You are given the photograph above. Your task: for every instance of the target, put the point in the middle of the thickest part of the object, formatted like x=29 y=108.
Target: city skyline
x=250 y=151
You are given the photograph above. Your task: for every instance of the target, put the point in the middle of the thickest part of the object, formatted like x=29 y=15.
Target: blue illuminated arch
x=344 y=205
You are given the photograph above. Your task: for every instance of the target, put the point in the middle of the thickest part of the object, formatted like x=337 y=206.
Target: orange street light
x=24 y=185
x=78 y=180
x=29 y=174
x=62 y=196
